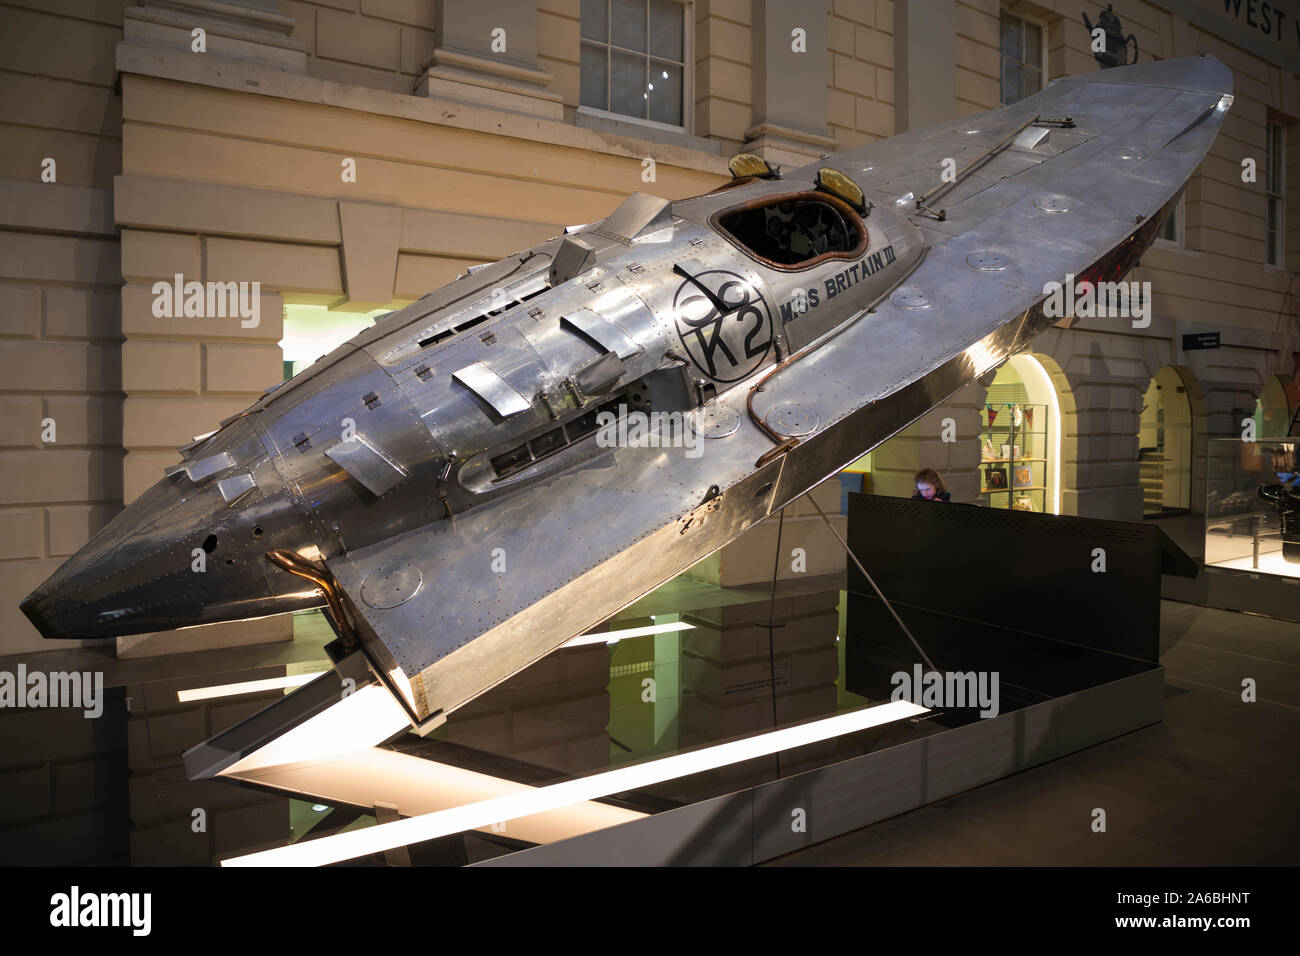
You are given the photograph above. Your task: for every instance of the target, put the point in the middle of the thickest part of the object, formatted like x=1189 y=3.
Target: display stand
x=1074 y=654
x=1078 y=659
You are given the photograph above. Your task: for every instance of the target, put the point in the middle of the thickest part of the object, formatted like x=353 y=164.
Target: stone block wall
x=60 y=327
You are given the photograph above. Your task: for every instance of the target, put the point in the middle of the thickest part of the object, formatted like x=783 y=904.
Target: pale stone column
x=60 y=414
x=925 y=90
x=789 y=77
x=253 y=32
x=487 y=55
x=60 y=369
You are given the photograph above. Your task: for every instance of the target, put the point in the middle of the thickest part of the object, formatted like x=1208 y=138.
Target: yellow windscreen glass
x=747 y=164
x=837 y=184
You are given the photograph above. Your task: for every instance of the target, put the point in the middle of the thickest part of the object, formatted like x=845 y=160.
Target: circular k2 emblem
x=726 y=335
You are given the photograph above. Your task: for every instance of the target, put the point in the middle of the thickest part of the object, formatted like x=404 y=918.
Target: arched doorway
x=1165 y=445
x=1274 y=409
x=1021 y=443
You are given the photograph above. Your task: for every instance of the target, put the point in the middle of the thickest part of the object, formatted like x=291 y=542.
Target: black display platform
x=1054 y=604
x=1076 y=652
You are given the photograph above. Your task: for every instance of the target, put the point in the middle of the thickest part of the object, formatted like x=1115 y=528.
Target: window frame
x=1179 y=220
x=1274 y=129
x=1042 y=52
x=687 y=126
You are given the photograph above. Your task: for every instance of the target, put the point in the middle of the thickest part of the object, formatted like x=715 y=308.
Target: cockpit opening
x=795 y=231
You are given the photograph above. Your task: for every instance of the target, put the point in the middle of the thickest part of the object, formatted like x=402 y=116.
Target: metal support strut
x=880 y=594
x=771 y=626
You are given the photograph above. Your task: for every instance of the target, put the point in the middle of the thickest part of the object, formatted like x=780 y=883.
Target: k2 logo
x=728 y=332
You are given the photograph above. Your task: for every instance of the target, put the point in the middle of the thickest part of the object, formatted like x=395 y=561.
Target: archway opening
x=1274 y=409
x=1165 y=446
x=1020 y=458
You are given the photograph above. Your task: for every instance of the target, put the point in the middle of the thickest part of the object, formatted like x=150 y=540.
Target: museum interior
x=1104 y=613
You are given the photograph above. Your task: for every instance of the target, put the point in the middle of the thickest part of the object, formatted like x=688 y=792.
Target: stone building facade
x=350 y=155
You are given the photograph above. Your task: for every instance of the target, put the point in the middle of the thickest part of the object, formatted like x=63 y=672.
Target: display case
x=1013 y=456
x=1252 y=507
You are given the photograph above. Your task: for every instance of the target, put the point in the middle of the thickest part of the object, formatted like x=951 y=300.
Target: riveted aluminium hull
x=580 y=545
x=456 y=570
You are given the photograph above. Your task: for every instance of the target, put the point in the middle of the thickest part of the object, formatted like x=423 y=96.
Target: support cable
x=880 y=594
x=771 y=626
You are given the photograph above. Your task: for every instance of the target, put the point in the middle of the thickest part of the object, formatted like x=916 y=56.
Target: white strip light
x=388 y=836
x=420 y=786
x=364 y=718
x=246 y=687
x=613 y=637
x=297 y=680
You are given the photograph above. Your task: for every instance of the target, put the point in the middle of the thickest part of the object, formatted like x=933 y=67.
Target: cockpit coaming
x=794 y=232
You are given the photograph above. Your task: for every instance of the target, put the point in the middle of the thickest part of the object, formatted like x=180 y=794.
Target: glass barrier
x=1252 y=506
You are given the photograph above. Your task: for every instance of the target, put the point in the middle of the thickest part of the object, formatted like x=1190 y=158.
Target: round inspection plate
x=717 y=422
x=986 y=261
x=1052 y=203
x=1128 y=152
x=389 y=587
x=795 y=420
x=910 y=297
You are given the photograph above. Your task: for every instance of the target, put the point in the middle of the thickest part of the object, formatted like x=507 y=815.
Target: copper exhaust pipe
x=296 y=564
